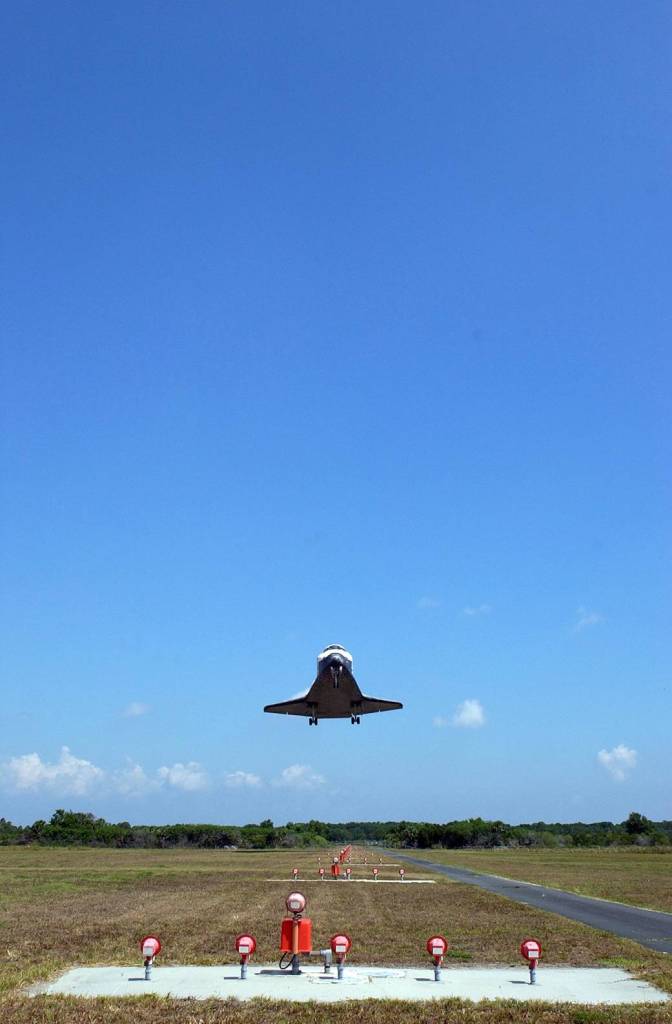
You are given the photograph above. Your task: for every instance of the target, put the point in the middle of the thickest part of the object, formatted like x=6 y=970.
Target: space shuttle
x=334 y=693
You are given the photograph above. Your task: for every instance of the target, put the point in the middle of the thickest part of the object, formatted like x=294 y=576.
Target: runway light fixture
x=150 y=947
x=296 y=903
x=296 y=931
x=245 y=945
x=531 y=950
x=437 y=947
x=340 y=947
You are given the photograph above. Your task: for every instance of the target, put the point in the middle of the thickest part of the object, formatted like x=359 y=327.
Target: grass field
x=64 y=907
x=642 y=877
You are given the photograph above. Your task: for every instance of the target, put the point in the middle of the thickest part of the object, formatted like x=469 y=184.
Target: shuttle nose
x=334 y=655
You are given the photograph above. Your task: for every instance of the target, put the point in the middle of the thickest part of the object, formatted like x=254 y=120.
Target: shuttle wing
x=298 y=706
x=366 y=706
x=370 y=704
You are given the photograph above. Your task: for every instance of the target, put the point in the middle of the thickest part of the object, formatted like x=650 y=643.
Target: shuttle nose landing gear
x=336 y=675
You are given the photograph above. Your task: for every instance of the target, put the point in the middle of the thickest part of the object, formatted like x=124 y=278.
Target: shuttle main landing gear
x=355 y=720
x=312 y=720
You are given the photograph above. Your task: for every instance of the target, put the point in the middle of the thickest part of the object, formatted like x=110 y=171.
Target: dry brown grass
x=641 y=877
x=64 y=907
x=146 y=1010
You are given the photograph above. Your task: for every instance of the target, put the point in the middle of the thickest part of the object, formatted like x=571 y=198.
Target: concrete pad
x=555 y=984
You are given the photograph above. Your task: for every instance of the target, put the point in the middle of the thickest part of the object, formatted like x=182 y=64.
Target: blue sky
x=336 y=323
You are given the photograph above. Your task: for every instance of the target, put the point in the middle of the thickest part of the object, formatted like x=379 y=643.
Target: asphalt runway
x=651 y=928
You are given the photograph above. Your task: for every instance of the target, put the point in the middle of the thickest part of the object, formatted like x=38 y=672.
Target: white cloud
x=76 y=776
x=69 y=775
x=618 y=761
x=427 y=601
x=481 y=609
x=135 y=709
x=188 y=777
x=587 y=618
x=439 y=722
x=134 y=781
x=240 y=780
x=469 y=715
x=299 y=776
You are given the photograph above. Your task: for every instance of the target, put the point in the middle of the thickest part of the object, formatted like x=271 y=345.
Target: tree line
x=77 y=828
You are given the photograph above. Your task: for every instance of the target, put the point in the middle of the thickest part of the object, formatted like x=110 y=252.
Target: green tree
x=637 y=825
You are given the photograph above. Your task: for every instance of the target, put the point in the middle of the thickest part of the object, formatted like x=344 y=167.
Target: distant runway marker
x=367 y=881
